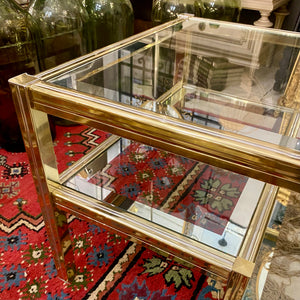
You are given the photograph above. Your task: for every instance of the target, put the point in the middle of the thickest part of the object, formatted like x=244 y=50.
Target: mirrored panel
x=205 y=203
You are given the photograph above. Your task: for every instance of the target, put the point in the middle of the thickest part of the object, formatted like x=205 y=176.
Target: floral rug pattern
x=193 y=191
x=109 y=267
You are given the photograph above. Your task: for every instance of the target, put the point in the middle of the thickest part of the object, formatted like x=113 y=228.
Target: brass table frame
x=34 y=99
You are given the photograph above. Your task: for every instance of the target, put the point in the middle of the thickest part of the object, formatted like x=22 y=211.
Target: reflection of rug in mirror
x=193 y=191
x=213 y=111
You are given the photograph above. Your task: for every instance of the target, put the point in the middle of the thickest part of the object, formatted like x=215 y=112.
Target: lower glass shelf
x=202 y=202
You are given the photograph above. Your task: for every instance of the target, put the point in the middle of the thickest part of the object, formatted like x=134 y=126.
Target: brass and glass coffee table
x=203 y=126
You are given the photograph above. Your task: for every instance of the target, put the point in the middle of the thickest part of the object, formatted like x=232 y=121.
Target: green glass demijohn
x=109 y=21
x=224 y=10
x=17 y=55
x=167 y=10
x=59 y=32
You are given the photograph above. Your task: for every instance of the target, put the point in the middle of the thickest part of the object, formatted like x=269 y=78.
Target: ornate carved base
x=266 y=7
x=264 y=19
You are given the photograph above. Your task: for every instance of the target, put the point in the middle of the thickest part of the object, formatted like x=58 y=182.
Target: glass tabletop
x=216 y=74
x=225 y=91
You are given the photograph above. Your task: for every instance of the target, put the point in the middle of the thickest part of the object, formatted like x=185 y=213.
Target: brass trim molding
x=227 y=150
x=147 y=232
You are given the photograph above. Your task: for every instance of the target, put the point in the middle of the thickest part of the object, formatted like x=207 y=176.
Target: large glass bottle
x=60 y=30
x=59 y=35
x=109 y=21
x=224 y=10
x=167 y=10
x=17 y=55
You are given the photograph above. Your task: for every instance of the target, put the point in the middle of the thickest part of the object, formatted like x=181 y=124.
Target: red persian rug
x=109 y=267
x=193 y=191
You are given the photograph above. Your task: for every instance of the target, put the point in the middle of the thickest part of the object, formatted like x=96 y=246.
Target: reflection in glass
x=192 y=198
x=215 y=75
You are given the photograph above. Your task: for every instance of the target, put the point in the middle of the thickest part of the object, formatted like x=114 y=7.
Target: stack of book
x=216 y=72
